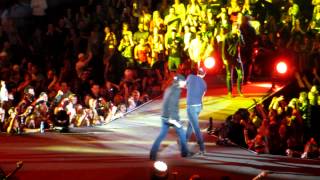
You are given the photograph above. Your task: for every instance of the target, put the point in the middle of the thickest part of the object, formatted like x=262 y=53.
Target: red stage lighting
x=282 y=67
x=209 y=62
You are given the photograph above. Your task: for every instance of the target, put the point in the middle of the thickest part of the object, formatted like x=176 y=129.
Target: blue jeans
x=163 y=133
x=193 y=124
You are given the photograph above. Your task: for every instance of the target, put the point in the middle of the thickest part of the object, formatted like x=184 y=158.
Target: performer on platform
x=196 y=88
x=170 y=117
x=230 y=53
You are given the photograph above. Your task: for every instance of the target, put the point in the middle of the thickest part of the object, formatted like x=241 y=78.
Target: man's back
x=196 y=88
x=170 y=106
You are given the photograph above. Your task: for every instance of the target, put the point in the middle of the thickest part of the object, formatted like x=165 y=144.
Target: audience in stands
x=288 y=126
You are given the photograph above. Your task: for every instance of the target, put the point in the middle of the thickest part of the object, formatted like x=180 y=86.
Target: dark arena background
x=82 y=83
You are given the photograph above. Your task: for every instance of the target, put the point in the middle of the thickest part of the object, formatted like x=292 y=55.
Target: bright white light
x=160 y=166
x=282 y=67
x=209 y=62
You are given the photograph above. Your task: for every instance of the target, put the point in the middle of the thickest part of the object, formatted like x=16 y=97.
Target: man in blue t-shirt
x=196 y=88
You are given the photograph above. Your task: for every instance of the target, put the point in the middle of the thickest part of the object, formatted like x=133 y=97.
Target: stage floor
x=120 y=149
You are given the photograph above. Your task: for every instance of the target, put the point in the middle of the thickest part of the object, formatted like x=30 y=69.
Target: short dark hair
x=26 y=89
x=201 y=72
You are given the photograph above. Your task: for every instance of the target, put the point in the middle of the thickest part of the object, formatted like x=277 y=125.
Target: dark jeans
x=163 y=133
x=229 y=79
x=247 y=60
x=193 y=124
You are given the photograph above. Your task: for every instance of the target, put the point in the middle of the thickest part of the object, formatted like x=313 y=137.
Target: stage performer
x=170 y=117
x=232 y=40
x=196 y=88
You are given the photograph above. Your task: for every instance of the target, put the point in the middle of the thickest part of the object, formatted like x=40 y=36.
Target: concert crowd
x=88 y=64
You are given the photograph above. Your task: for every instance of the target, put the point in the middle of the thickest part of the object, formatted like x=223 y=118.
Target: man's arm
x=88 y=58
x=223 y=56
x=204 y=87
x=168 y=21
x=241 y=40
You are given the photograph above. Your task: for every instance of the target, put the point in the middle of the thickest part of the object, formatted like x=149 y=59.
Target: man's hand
x=60 y=93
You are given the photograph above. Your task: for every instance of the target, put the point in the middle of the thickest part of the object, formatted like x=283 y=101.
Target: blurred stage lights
x=160 y=170
x=160 y=166
x=282 y=67
x=209 y=62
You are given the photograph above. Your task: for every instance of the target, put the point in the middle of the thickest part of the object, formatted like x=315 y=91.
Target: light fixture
x=282 y=67
x=160 y=170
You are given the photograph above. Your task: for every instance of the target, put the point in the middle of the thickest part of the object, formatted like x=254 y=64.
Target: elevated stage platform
x=120 y=149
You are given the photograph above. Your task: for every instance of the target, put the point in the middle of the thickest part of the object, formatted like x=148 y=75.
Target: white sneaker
x=175 y=122
x=200 y=153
